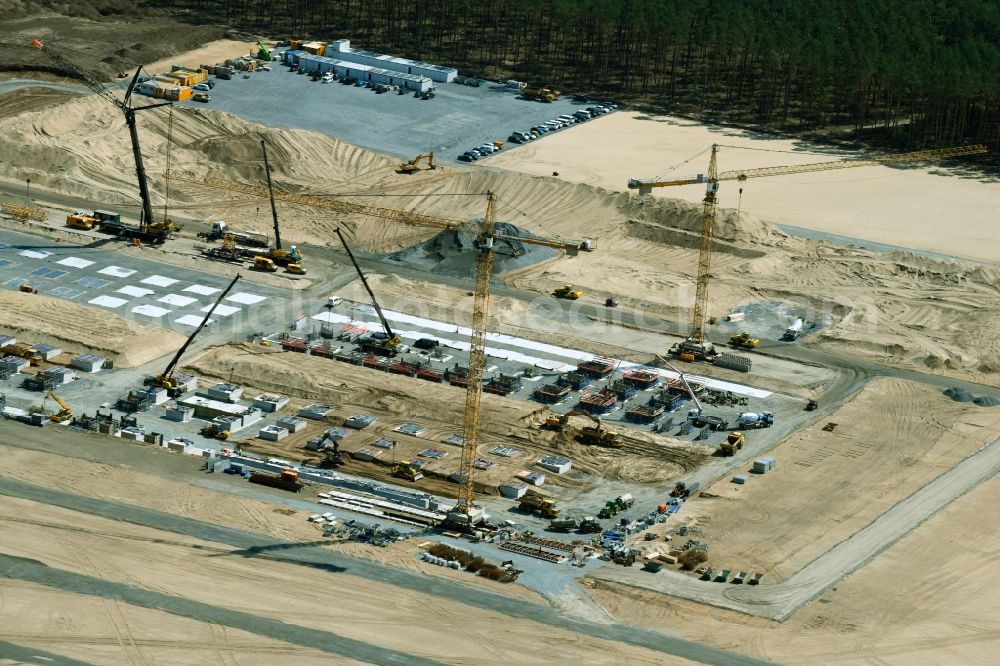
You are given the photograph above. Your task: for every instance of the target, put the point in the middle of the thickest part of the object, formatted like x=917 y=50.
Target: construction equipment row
x=532 y=551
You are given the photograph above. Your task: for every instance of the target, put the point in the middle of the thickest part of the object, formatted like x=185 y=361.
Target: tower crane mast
x=695 y=346
x=466 y=513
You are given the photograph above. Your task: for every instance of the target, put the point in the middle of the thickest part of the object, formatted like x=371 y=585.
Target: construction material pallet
x=548 y=543
x=294 y=345
x=530 y=551
x=430 y=375
x=400 y=368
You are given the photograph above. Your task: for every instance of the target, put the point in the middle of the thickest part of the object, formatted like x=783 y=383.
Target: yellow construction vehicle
x=407 y=470
x=80 y=220
x=413 y=165
x=215 y=431
x=540 y=93
x=567 y=291
x=165 y=379
x=696 y=346
x=290 y=259
x=64 y=414
x=543 y=506
x=744 y=341
x=595 y=435
x=22 y=350
x=732 y=444
x=264 y=264
x=466 y=513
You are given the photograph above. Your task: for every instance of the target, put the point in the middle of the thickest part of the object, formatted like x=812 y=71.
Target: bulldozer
x=407 y=470
x=543 y=506
x=413 y=165
x=567 y=291
x=744 y=341
x=732 y=444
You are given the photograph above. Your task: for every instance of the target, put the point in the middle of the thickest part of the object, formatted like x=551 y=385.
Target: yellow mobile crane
x=166 y=379
x=64 y=414
x=695 y=346
x=466 y=513
x=290 y=258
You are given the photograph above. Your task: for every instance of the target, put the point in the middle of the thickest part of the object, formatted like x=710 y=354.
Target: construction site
x=559 y=417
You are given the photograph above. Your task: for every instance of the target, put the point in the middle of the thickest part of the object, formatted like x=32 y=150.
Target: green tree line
x=906 y=73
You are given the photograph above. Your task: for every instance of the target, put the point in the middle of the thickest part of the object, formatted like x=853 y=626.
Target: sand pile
x=34 y=318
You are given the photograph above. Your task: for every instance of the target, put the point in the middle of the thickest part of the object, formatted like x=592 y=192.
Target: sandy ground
x=900 y=308
x=891 y=439
x=209 y=54
x=35 y=318
x=896 y=206
x=104 y=631
x=202 y=571
x=350 y=389
x=921 y=601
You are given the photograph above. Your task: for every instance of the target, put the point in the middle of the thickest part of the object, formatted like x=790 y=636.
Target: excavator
x=291 y=259
x=166 y=379
x=595 y=435
x=407 y=470
x=381 y=343
x=413 y=165
x=64 y=413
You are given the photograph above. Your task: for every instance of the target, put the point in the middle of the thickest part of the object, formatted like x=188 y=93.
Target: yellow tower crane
x=465 y=514
x=695 y=346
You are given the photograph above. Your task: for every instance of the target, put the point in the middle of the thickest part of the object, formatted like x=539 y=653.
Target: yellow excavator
x=413 y=165
x=64 y=413
x=595 y=435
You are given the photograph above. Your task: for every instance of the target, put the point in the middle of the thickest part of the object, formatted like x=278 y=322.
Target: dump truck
x=540 y=93
x=543 y=506
x=264 y=264
x=566 y=291
x=595 y=435
x=744 y=341
x=407 y=470
x=732 y=444
x=753 y=420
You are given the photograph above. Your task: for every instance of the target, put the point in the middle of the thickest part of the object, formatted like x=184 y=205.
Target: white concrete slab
x=150 y=310
x=75 y=262
x=245 y=297
x=178 y=300
x=192 y=320
x=222 y=310
x=159 y=281
x=108 y=301
x=34 y=254
x=117 y=271
x=134 y=291
x=201 y=289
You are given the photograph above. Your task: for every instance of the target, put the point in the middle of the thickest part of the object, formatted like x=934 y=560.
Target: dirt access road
x=779 y=601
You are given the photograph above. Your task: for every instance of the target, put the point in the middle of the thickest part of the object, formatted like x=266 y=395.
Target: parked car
x=541 y=129
x=201 y=86
x=360 y=84
x=201 y=97
x=465 y=157
x=515 y=138
x=487 y=149
x=567 y=120
x=210 y=83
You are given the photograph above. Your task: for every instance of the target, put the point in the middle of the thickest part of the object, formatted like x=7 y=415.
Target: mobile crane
x=696 y=347
x=166 y=379
x=290 y=259
x=384 y=343
x=466 y=513
x=148 y=231
x=64 y=414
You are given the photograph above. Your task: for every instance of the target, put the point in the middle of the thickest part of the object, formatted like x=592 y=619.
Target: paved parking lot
x=138 y=289
x=459 y=118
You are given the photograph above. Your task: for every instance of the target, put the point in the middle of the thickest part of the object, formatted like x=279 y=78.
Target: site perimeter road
x=779 y=601
x=258 y=545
